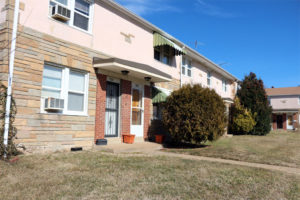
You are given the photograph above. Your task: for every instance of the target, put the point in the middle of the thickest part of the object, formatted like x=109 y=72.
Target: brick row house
x=88 y=69
x=286 y=107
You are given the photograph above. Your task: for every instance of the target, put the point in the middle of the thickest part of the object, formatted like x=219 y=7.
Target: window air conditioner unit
x=53 y=104
x=60 y=12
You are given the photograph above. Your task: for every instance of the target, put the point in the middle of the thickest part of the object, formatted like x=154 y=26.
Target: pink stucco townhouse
x=86 y=70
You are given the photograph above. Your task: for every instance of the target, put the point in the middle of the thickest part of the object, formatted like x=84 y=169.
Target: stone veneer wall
x=50 y=131
x=37 y=131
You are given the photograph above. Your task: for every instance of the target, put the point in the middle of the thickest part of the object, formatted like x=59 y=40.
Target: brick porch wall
x=125 y=106
x=147 y=113
x=284 y=121
x=296 y=120
x=100 y=107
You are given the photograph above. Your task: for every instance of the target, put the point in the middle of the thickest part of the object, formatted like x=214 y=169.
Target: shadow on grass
x=184 y=146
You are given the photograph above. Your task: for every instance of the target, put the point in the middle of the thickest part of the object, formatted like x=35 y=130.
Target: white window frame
x=65 y=90
x=71 y=7
x=224 y=85
x=208 y=80
x=186 y=67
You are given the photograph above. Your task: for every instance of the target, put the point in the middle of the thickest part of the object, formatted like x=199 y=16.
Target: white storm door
x=289 y=122
x=137 y=110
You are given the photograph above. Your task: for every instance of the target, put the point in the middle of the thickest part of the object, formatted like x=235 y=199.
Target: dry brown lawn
x=277 y=148
x=96 y=175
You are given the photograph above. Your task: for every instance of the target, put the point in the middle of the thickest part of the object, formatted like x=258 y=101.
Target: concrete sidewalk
x=290 y=170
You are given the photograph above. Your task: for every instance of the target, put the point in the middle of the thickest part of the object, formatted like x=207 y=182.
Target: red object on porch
x=128 y=138
x=159 y=139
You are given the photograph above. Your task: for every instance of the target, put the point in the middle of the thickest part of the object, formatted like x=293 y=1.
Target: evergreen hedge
x=11 y=149
x=194 y=114
x=253 y=96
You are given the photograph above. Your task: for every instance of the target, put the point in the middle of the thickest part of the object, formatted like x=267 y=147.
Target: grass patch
x=277 y=148
x=94 y=175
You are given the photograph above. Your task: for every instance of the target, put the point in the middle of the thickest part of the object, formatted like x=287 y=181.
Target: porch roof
x=158 y=96
x=134 y=69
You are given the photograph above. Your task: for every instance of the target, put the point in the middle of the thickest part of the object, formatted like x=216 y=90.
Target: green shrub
x=241 y=119
x=194 y=114
x=11 y=148
x=253 y=97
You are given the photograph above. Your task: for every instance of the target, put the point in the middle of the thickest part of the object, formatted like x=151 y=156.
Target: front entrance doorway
x=112 y=110
x=290 y=125
x=137 y=110
x=279 y=122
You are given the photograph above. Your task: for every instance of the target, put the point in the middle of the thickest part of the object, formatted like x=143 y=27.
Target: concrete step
x=142 y=147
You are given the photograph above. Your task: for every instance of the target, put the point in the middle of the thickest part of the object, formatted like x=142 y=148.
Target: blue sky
x=262 y=36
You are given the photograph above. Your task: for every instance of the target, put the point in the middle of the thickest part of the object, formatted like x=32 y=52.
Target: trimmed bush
x=11 y=149
x=241 y=119
x=253 y=96
x=194 y=114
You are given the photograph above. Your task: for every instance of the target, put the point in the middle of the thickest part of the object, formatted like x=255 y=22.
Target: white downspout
x=10 y=76
x=181 y=69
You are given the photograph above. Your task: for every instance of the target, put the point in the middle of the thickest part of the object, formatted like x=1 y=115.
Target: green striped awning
x=158 y=96
x=160 y=40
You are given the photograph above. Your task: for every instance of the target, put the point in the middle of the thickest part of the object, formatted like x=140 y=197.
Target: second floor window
x=80 y=12
x=224 y=85
x=163 y=54
x=186 y=67
x=208 y=79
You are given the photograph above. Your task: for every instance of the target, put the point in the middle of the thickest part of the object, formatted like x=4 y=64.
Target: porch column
x=147 y=112
x=274 y=121
x=125 y=106
x=100 y=106
x=284 y=121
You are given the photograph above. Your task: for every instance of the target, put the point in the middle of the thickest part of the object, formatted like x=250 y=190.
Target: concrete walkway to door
x=154 y=149
x=137 y=147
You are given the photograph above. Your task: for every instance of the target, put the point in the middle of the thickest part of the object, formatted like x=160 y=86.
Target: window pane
x=156 y=54
x=189 y=72
x=190 y=64
x=75 y=102
x=166 y=59
x=136 y=116
x=65 y=2
x=81 y=21
x=82 y=6
x=52 y=82
x=183 y=61
x=183 y=70
x=136 y=98
x=53 y=72
x=166 y=50
x=52 y=76
x=50 y=93
x=76 y=81
x=208 y=82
